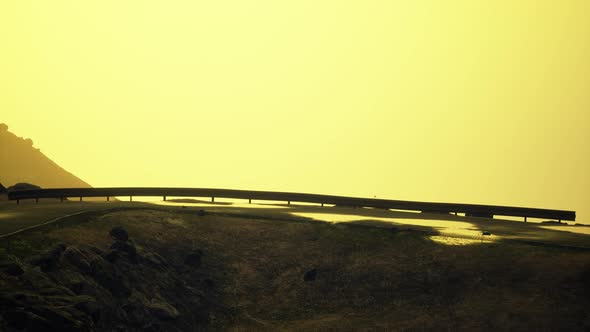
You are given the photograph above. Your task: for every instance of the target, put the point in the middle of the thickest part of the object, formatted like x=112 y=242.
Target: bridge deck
x=468 y=209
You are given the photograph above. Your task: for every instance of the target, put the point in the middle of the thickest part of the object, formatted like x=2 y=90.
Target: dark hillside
x=165 y=269
x=20 y=161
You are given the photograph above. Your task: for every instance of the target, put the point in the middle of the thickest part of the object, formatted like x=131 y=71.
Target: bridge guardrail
x=469 y=209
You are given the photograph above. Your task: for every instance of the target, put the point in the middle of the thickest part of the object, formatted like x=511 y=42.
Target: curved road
x=474 y=210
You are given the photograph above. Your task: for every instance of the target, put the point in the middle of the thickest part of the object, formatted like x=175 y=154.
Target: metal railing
x=474 y=210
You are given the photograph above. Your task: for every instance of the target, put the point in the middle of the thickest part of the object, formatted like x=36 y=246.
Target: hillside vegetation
x=185 y=269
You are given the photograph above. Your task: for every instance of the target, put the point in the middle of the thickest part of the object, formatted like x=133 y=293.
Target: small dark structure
x=310 y=275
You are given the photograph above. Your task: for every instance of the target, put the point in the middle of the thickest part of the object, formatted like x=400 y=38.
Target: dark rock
x=119 y=233
x=90 y=307
x=106 y=276
x=27 y=321
x=208 y=283
x=98 y=264
x=34 y=276
x=38 y=312
x=80 y=286
x=152 y=327
x=155 y=260
x=310 y=275
x=94 y=250
x=56 y=291
x=62 y=318
x=125 y=247
x=18 y=298
x=194 y=259
x=112 y=255
x=134 y=309
x=163 y=310
x=48 y=260
x=11 y=268
x=113 y=282
x=77 y=258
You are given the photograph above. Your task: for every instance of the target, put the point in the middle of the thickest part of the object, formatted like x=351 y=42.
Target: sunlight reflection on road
x=451 y=232
x=459 y=241
x=571 y=229
x=9 y=215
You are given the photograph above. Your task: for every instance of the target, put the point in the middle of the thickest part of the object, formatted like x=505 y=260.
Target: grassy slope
x=14 y=217
x=367 y=276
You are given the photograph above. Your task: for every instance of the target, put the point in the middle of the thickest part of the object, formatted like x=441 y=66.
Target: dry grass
x=368 y=278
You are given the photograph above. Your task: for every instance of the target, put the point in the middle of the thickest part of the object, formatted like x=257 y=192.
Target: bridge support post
x=18 y=202
x=250 y=201
x=164 y=198
x=525 y=219
x=322 y=204
x=288 y=202
x=212 y=199
x=130 y=198
x=108 y=198
x=80 y=198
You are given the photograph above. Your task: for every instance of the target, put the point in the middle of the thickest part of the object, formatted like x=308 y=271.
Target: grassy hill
x=238 y=269
x=20 y=161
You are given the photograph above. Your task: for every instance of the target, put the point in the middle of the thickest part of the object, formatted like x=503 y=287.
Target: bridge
x=470 y=210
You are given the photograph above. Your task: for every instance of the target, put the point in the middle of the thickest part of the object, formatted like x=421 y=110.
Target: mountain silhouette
x=21 y=162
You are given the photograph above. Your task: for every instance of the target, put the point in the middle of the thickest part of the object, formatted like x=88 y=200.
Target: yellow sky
x=458 y=101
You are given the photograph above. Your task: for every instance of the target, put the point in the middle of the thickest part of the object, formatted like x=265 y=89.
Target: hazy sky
x=458 y=101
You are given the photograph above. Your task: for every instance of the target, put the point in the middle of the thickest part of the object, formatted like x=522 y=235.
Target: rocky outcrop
x=310 y=275
x=48 y=260
x=85 y=288
x=119 y=233
x=194 y=258
x=11 y=268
